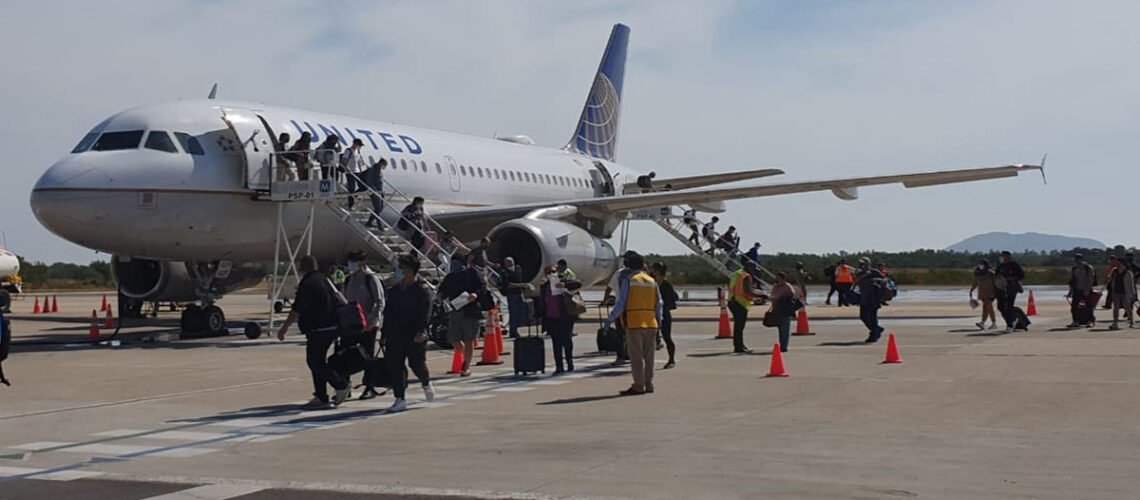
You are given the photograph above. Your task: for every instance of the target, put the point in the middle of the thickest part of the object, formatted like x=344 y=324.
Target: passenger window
x=85 y=143
x=404 y=164
x=512 y=172
x=496 y=173
x=423 y=166
x=160 y=141
x=189 y=143
x=548 y=180
x=438 y=169
x=115 y=141
x=480 y=170
x=463 y=170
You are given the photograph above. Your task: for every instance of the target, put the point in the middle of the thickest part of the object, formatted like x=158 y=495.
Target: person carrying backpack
x=363 y=286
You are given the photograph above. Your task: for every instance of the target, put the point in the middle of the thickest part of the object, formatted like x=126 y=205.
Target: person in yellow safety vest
x=742 y=291
x=639 y=306
x=844 y=281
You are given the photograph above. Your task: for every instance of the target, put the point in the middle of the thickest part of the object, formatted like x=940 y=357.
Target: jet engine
x=171 y=281
x=535 y=243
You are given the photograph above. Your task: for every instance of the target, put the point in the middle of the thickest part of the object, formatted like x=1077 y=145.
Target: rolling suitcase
x=1022 y=319
x=376 y=373
x=530 y=354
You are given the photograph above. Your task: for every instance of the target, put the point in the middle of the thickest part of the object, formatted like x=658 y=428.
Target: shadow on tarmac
x=849 y=343
x=729 y=353
x=582 y=399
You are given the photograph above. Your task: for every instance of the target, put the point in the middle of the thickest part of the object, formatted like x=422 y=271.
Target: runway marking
x=512 y=389
x=53 y=476
x=40 y=445
x=210 y=492
x=474 y=397
x=170 y=435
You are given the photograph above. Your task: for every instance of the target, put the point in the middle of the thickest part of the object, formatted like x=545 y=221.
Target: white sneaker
x=340 y=395
x=429 y=392
x=398 y=406
x=993 y=326
x=1009 y=330
x=981 y=325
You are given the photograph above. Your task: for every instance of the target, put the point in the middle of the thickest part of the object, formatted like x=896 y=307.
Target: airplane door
x=452 y=173
x=603 y=181
x=257 y=144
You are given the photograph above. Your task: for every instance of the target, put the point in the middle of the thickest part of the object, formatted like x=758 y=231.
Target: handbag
x=350 y=318
x=349 y=360
x=771 y=319
x=575 y=305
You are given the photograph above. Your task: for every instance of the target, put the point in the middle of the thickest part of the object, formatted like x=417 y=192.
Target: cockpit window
x=85 y=143
x=114 y=141
x=189 y=143
x=160 y=141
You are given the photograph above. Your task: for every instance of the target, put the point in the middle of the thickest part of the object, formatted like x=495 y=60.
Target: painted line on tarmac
x=147 y=398
x=54 y=476
x=216 y=491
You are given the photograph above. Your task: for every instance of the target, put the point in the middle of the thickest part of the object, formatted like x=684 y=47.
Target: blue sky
x=820 y=89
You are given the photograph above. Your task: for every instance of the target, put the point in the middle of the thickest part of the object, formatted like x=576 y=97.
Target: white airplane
x=173 y=190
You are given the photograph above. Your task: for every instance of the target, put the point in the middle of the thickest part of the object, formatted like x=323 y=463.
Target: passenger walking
x=363 y=286
x=285 y=171
x=984 y=284
x=669 y=298
x=299 y=155
x=729 y=242
x=1113 y=261
x=801 y=282
x=413 y=221
x=742 y=292
x=353 y=168
x=1123 y=283
x=514 y=288
x=5 y=345
x=1007 y=282
x=753 y=253
x=694 y=225
x=314 y=305
x=708 y=231
x=829 y=273
x=639 y=307
x=871 y=292
x=844 y=281
x=1081 y=283
x=558 y=318
x=783 y=308
x=374 y=178
x=406 y=314
x=463 y=321
x=327 y=156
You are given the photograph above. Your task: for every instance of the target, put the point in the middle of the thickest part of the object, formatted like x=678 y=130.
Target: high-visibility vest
x=739 y=290
x=641 y=304
x=843 y=274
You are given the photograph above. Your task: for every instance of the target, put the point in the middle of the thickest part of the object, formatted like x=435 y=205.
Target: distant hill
x=1035 y=242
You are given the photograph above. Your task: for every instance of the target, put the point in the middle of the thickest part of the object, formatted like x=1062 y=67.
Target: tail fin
x=596 y=133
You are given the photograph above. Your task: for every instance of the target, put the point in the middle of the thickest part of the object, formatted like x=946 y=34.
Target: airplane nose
x=64 y=199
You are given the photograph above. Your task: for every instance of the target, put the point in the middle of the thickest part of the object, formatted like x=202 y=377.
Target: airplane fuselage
x=128 y=198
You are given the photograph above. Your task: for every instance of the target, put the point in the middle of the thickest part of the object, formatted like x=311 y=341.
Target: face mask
x=353 y=266
x=399 y=274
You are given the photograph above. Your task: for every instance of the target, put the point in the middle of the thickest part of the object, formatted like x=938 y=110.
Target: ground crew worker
x=741 y=293
x=844 y=281
x=870 y=299
x=639 y=306
x=339 y=277
x=565 y=272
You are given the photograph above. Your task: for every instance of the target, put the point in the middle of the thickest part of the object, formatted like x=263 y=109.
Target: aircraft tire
x=278 y=306
x=215 y=320
x=193 y=319
x=252 y=330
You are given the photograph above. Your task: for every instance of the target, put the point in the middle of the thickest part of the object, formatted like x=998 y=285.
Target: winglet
x=213 y=91
x=1043 y=179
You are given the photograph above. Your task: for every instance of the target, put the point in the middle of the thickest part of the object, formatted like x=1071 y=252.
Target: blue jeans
x=870 y=317
x=785 y=331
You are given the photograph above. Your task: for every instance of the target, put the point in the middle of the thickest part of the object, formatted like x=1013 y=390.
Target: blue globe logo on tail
x=597 y=130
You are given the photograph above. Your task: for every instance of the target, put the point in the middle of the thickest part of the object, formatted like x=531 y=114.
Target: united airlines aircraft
x=175 y=189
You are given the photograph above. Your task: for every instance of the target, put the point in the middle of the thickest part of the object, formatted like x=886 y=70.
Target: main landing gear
x=204 y=321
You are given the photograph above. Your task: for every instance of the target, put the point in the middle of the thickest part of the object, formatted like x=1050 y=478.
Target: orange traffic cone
x=777 y=369
x=37 y=310
x=499 y=331
x=105 y=306
x=54 y=304
x=802 y=327
x=892 y=351
x=1032 y=309
x=93 y=333
x=725 y=328
x=457 y=363
x=110 y=323
x=491 y=348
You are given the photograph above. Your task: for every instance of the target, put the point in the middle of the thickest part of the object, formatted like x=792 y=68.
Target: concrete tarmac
x=1049 y=413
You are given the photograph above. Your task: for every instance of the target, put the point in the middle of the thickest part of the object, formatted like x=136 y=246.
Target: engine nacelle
x=536 y=243
x=171 y=281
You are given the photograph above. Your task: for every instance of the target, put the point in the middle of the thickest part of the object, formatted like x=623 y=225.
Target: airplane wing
x=613 y=205
x=696 y=181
